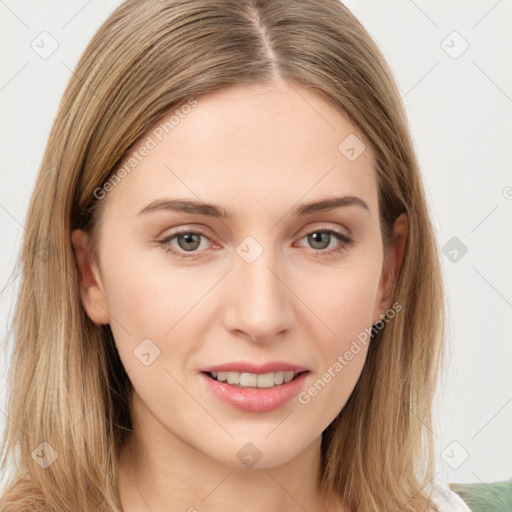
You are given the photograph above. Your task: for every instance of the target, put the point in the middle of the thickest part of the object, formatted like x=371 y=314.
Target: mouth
x=255 y=388
x=255 y=380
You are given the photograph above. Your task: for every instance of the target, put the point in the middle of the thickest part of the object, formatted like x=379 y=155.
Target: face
x=270 y=288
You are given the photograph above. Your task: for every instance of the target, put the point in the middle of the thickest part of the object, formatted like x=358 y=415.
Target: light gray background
x=459 y=107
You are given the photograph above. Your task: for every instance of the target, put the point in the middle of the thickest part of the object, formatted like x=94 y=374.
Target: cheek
x=144 y=293
x=342 y=341
x=344 y=301
x=138 y=301
x=151 y=315
x=157 y=302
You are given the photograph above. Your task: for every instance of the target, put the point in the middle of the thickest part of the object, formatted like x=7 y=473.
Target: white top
x=447 y=500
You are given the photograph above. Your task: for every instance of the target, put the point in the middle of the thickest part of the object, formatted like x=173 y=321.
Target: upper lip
x=247 y=367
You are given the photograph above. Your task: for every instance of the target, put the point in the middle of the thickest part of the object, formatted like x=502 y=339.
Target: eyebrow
x=212 y=210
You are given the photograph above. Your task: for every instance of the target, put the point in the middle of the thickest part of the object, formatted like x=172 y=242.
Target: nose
x=258 y=299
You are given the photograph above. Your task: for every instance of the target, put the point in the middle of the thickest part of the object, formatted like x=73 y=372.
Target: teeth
x=248 y=379
x=288 y=376
x=265 y=380
x=233 y=378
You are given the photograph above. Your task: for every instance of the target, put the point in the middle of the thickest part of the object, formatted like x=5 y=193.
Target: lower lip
x=256 y=399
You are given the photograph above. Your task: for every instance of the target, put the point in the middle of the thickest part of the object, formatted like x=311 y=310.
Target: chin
x=257 y=454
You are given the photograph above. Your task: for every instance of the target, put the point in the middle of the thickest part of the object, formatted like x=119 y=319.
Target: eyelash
x=321 y=253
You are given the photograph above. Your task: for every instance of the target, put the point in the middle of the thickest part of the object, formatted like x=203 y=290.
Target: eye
x=188 y=242
x=320 y=239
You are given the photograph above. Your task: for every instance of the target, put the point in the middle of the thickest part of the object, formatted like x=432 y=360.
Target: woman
x=231 y=296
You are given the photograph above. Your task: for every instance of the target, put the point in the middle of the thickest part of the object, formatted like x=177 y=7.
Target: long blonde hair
x=67 y=386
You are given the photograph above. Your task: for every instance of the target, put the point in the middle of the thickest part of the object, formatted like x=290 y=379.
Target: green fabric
x=486 y=497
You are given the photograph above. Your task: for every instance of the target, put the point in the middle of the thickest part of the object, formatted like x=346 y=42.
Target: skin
x=258 y=151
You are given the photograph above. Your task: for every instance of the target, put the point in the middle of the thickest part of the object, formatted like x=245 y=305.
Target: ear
x=92 y=292
x=392 y=263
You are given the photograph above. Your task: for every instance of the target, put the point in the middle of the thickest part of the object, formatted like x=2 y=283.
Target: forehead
x=279 y=142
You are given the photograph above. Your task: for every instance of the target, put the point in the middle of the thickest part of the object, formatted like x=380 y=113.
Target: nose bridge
x=258 y=302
